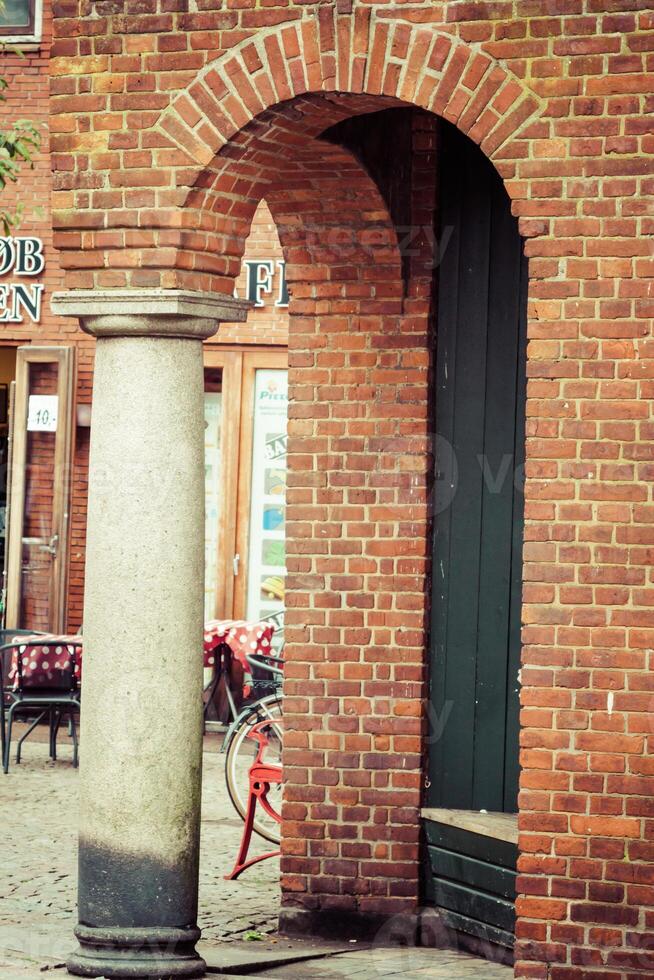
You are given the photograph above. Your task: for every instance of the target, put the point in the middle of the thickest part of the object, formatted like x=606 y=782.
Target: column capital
x=150 y=312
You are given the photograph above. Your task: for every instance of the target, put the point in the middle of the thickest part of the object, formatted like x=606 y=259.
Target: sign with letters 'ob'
x=23 y=258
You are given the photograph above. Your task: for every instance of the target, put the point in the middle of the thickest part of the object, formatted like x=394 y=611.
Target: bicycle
x=241 y=750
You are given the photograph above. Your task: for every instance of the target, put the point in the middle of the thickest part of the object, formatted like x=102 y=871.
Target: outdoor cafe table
x=39 y=663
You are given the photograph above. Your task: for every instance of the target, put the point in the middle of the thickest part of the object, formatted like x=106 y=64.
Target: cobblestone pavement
x=382 y=963
x=38 y=817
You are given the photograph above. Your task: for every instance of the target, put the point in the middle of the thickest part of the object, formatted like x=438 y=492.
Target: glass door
x=39 y=491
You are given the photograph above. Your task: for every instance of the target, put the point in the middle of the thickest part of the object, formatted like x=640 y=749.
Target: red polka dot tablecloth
x=240 y=636
x=43 y=657
x=45 y=661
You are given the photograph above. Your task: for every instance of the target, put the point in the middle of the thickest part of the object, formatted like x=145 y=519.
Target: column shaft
x=141 y=725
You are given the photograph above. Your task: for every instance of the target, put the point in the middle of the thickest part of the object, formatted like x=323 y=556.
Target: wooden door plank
x=468 y=901
x=498 y=498
x=472 y=872
x=489 y=849
x=497 y=825
x=466 y=510
x=450 y=225
x=481 y=930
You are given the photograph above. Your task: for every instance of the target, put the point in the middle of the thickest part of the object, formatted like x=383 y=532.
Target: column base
x=152 y=954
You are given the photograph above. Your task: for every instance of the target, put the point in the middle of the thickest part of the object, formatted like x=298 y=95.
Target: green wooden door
x=479 y=410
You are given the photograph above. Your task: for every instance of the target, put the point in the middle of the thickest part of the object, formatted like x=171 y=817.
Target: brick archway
x=323 y=60
x=413 y=65
x=223 y=144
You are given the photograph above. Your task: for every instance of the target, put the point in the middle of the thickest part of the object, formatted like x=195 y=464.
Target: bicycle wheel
x=241 y=752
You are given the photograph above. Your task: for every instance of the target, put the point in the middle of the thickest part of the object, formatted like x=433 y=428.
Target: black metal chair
x=267 y=672
x=56 y=697
x=6 y=636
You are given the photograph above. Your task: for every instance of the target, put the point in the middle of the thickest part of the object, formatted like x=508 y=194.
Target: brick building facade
x=169 y=125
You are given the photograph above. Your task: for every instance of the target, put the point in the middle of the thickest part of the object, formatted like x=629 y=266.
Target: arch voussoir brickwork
x=415 y=65
x=319 y=58
x=307 y=69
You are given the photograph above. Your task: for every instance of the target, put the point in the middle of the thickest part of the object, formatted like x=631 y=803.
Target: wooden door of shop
x=36 y=560
x=479 y=410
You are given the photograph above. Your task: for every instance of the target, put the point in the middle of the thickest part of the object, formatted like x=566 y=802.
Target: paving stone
x=380 y=963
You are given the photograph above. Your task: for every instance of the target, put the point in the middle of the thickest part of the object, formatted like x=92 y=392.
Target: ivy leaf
x=19 y=144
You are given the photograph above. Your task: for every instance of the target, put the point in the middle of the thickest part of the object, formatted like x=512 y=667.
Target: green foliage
x=18 y=146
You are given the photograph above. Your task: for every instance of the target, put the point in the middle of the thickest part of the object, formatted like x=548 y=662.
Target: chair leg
x=242 y=864
x=73 y=730
x=57 y=725
x=28 y=732
x=10 y=722
x=211 y=689
x=53 y=724
x=248 y=826
x=3 y=734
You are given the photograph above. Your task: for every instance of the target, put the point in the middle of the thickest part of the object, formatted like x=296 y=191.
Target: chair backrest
x=7 y=635
x=43 y=665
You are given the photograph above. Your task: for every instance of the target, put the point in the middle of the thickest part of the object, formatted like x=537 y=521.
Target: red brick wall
x=557 y=95
x=28 y=97
x=267 y=324
x=356 y=540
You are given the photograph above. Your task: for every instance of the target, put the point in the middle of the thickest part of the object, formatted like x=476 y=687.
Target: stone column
x=141 y=724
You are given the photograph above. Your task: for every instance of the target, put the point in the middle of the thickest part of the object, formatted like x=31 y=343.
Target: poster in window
x=267 y=549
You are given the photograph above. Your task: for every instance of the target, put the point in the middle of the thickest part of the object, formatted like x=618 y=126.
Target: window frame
x=19 y=34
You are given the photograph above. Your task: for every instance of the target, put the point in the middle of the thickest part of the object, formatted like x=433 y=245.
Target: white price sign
x=42 y=413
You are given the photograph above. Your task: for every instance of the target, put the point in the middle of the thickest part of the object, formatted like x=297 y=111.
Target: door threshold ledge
x=500 y=826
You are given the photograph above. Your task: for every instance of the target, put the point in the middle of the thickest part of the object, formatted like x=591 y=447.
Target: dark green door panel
x=471 y=877
x=479 y=875
x=474 y=903
x=479 y=410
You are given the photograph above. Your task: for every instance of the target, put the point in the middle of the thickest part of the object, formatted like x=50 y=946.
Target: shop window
x=21 y=20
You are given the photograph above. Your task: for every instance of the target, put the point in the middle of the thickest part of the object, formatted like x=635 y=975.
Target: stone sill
x=500 y=826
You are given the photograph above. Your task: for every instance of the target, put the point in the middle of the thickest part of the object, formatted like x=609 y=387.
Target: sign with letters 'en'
x=22 y=258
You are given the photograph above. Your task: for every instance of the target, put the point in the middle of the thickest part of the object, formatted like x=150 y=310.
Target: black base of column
x=152 y=954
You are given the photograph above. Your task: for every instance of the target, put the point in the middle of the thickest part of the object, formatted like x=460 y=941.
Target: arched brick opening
x=160 y=239
x=357 y=455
